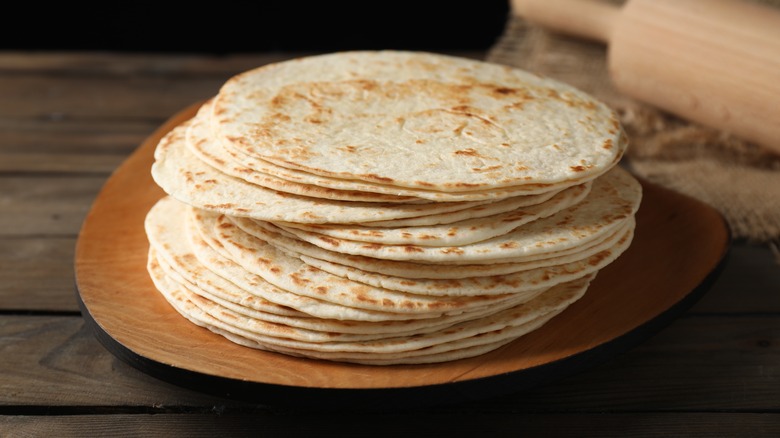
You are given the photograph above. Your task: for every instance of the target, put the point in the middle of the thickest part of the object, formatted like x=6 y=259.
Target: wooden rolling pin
x=716 y=62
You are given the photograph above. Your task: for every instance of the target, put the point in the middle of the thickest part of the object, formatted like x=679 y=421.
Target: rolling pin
x=716 y=62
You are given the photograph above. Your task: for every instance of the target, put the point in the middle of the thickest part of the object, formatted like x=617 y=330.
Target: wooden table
x=68 y=120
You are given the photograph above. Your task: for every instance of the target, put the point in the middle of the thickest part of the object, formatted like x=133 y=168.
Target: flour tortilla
x=417 y=120
x=256 y=171
x=200 y=144
x=166 y=228
x=183 y=176
x=460 y=233
x=290 y=273
x=523 y=281
x=417 y=270
x=612 y=202
x=301 y=327
x=506 y=324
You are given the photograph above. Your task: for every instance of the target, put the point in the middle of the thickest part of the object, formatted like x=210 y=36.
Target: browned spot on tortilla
x=509 y=245
x=419 y=141
x=451 y=250
x=225 y=225
x=471 y=152
x=596 y=259
x=218 y=206
x=298 y=280
x=372 y=246
x=412 y=248
x=264 y=260
x=275 y=269
x=329 y=240
x=424 y=184
x=486 y=169
x=427 y=237
x=505 y=91
x=452 y=231
x=375 y=177
x=322 y=290
x=608 y=144
x=348 y=148
x=577 y=168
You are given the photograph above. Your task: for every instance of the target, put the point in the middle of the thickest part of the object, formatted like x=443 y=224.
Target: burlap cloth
x=740 y=179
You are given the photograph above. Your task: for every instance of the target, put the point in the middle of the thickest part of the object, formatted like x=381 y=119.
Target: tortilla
x=418 y=120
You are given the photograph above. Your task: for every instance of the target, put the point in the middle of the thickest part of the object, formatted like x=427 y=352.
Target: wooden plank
x=37 y=274
x=697 y=364
x=749 y=283
x=123 y=64
x=55 y=361
x=58 y=136
x=45 y=205
x=307 y=424
x=104 y=97
x=60 y=163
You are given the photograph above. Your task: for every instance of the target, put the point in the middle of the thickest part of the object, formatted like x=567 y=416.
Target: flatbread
x=460 y=233
x=183 y=176
x=418 y=120
x=612 y=201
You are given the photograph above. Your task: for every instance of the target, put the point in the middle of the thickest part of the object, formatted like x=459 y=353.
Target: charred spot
x=505 y=91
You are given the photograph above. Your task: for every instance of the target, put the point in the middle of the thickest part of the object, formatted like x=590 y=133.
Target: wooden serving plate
x=679 y=246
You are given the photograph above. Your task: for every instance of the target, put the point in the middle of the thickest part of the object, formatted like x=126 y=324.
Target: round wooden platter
x=679 y=246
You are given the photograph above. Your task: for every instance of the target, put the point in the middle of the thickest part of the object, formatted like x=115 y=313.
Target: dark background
x=243 y=26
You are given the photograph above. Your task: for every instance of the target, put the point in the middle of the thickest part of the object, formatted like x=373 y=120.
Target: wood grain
x=37 y=274
x=603 y=425
x=55 y=361
x=677 y=244
x=46 y=205
x=697 y=364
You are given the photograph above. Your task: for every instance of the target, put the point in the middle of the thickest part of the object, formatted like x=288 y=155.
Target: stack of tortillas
x=387 y=207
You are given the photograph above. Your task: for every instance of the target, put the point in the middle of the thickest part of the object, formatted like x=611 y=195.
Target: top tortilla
x=419 y=120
